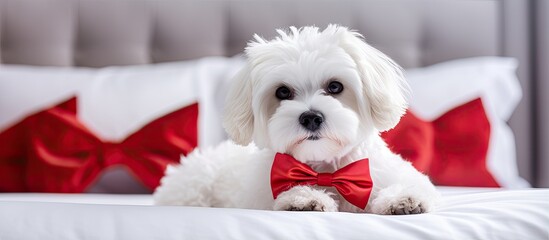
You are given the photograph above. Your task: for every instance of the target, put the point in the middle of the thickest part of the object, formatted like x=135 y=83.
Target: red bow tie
x=353 y=181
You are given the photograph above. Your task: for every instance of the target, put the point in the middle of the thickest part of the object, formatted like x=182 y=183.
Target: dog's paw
x=399 y=200
x=406 y=206
x=304 y=198
x=312 y=205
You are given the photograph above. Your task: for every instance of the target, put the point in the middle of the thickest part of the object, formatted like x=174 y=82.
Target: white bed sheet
x=465 y=213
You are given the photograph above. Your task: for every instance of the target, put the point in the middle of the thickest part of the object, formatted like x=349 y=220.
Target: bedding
x=100 y=108
x=464 y=213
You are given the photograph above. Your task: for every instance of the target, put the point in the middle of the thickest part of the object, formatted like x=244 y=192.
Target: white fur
x=305 y=60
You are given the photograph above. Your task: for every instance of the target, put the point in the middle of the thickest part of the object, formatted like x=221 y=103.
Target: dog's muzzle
x=311 y=120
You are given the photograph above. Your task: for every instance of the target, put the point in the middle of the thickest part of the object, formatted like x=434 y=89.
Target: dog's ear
x=384 y=86
x=238 y=117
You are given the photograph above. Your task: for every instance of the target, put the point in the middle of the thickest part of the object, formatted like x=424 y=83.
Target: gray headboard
x=414 y=32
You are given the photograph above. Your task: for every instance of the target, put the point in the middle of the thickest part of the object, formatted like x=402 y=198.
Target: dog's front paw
x=312 y=205
x=406 y=206
x=305 y=198
x=399 y=200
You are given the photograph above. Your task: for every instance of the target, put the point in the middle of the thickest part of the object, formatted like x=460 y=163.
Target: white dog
x=322 y=97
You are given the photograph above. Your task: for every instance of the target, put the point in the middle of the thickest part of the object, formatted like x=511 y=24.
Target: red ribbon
x=62 y=155
x=353 y=181
x=451 y=149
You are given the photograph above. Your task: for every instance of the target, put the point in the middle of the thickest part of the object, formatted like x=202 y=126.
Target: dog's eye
x=283 y=93
x=334 y=87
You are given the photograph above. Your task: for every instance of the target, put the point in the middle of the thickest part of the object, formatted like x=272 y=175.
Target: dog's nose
x=311 y=120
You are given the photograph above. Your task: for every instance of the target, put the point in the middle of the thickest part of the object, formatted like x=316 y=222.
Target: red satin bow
x=451 y=149
x=353 y=181
x=62 y=155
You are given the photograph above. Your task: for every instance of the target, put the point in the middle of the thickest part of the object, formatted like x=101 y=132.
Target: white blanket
x=465 y=213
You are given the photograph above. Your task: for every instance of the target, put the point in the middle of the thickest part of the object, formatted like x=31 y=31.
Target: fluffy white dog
x=322 y=97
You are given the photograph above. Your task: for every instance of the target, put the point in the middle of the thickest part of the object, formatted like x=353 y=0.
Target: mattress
x=464 y=213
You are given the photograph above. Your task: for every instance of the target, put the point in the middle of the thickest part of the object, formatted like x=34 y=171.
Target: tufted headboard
x=415 y=33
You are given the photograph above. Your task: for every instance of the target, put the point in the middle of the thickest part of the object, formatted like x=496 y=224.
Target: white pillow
x=115 y=102
x=441 y=87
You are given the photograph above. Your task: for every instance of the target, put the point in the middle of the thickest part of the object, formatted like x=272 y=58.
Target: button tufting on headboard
x=102 y=33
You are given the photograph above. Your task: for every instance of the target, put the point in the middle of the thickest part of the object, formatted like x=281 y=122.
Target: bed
x=466 y=214
x=111 y=54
